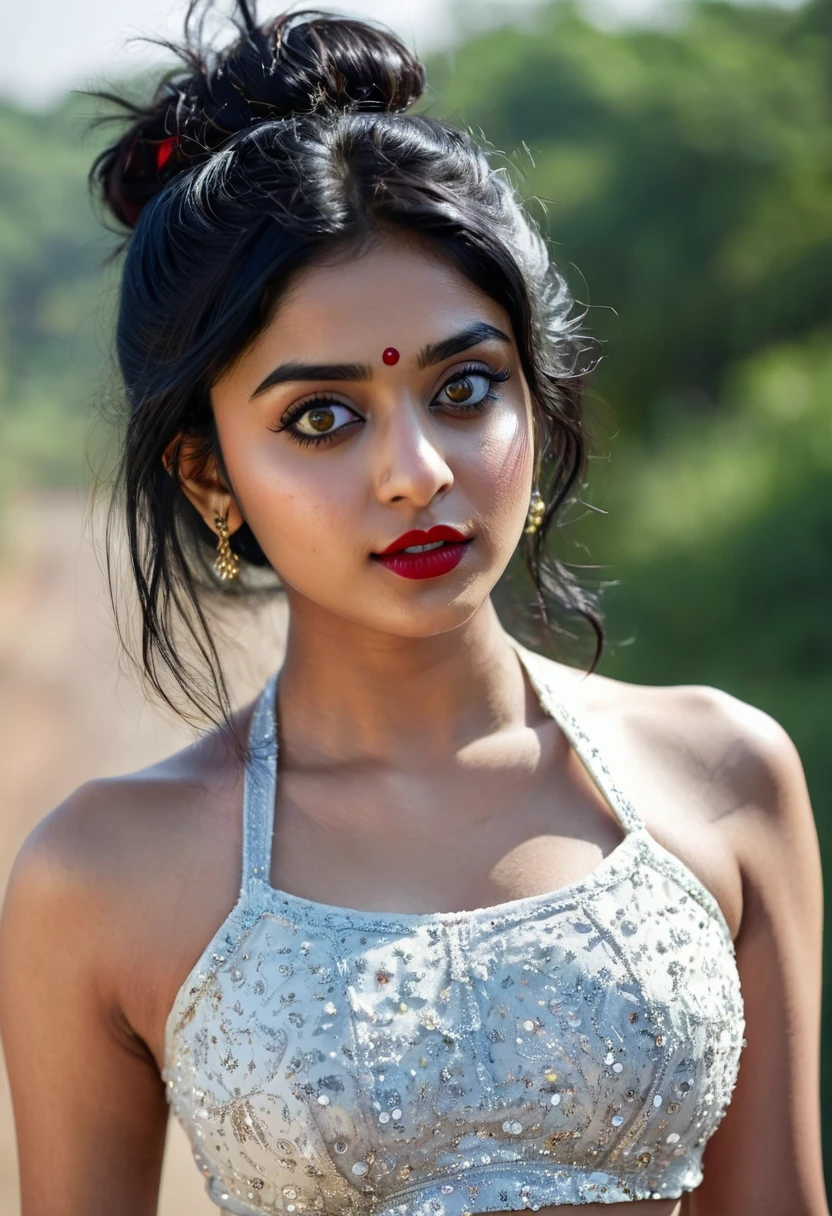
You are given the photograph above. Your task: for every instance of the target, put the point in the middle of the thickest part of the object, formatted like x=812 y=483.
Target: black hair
x=243 y=166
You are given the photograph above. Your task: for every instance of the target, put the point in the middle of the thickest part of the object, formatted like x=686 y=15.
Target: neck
x=348 y=694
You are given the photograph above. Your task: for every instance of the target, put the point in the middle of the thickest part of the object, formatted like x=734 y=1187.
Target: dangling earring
x=227 y=564
x=537 y=509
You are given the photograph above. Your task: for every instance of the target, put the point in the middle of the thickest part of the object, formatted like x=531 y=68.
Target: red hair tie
x=165 y=150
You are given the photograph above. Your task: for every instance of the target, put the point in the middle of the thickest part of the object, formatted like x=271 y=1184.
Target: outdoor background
x=681 y=159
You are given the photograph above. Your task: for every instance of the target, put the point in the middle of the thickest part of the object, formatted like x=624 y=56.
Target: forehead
x=397 y=292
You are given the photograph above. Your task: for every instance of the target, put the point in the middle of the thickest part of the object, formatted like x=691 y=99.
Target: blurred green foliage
x=684 y=176
x=56 y=299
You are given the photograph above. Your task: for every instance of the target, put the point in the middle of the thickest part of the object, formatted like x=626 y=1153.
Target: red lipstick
x=447 y=550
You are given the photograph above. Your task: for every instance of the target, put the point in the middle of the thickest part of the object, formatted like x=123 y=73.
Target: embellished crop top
x=572 y=1047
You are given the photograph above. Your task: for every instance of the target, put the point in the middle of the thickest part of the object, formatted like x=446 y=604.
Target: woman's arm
x=765 y=1157
x=88 y=1101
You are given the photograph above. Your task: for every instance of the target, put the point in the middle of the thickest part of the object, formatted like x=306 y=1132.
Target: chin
x=433 y=614
x=429 y=623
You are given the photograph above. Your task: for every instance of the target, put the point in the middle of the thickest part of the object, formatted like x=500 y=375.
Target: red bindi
x=390 y=356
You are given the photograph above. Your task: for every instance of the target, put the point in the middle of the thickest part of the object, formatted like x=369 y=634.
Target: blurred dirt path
x=67 y=714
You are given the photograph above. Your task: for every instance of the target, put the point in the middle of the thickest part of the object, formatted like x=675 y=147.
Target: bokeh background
x=679 y=156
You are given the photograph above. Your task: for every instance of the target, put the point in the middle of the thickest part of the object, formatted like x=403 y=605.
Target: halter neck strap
x=559 y=701
x=259 y=787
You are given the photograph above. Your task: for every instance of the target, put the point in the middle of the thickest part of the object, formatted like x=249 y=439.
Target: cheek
x=294 y=503
x=505 y=459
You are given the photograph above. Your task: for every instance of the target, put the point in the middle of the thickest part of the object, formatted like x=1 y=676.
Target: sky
x=50 y=46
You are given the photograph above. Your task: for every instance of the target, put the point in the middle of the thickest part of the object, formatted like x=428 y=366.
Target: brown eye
x=466 y=391
x=320 y=420
x=323 y=419
x=460 y=390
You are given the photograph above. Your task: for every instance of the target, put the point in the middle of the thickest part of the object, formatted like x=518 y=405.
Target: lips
x=448 y=546
x=417 y=537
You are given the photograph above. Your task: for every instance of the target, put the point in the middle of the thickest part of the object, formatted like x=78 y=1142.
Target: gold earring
x=227 y=564
x=537 y=509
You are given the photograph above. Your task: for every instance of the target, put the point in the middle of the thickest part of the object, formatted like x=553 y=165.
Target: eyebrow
x=313 y=371
x=472 y=336
x=434 y=352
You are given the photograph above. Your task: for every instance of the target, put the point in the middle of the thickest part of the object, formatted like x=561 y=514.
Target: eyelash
x=295 y=412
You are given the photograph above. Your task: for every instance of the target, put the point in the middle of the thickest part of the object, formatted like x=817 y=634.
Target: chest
x=479 y=834
x=503 y=833
x=543 y=1049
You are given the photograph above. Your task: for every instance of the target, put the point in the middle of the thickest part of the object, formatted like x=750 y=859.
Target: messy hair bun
x=295 y=64
x=243 y=167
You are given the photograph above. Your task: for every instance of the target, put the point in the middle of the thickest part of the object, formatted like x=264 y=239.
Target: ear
x=200 y=480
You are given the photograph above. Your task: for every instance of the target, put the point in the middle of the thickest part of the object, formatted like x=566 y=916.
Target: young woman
x=426 y=956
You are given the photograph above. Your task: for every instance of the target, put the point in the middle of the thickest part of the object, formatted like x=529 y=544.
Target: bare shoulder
x=708 y=765
x=108 y=826
x=118 y=848
x=739 y=751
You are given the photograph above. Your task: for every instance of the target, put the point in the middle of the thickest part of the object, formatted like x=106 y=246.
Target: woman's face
x=386 y=395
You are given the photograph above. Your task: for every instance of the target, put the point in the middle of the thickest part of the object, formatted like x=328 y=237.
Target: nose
x=409 y=463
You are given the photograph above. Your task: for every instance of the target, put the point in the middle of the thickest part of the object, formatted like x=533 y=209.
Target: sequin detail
x=572 y=1047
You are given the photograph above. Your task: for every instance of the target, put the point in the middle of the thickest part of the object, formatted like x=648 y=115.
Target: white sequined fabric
x=560 y=1049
